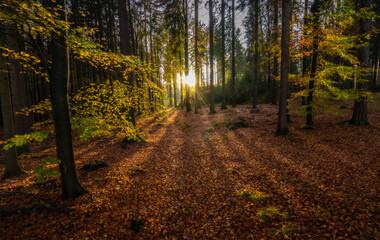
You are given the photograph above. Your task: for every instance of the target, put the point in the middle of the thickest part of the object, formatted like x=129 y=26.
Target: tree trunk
x=309 y=109
x=20 y=96
x=275 y=59
x=196 y=59
x=188 y=106
x=282 y=128
x=233 y=74
x=359 y=116
x=71 y=187
x=212 y=104
x=256 y=57
x=126 y=44
x=12 y=167
x=223 y=57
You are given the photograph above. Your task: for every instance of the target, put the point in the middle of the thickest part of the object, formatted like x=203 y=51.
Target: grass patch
x=286 y=231
x=206 y=137
x=267 y=214
x=183 y=126
x=231 y=124
x=254 y=196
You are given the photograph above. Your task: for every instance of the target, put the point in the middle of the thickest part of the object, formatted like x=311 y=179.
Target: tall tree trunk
x=282 y=128
x=71 y=187
x=256 y=57
x=196 y=60
x=275 y=58
x=359 y=116
x=12 y=167
x=212 y=104
x=126 y=44
x=233 y=74
x=223 y=56
x=309 y=109
x=185 y=6
x=304 y=58
x=20 y=96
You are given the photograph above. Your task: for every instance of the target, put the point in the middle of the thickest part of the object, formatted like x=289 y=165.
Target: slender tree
x=223 y=60
x=212 y=105
x=275 y=59
x=282 y=128
x=12 y=167
x=359 y=116
x=315 y=9
x=59 y=78
x=233 y=74
x=196 y=60
x=256 y=56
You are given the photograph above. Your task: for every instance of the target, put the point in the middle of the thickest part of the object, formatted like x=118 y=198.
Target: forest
x=189 y=119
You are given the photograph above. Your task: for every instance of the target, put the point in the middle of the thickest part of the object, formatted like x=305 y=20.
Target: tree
x=223 y=56
x=309 y=109
x=126 y=46
x=212 y=105
x=282 y=128
x=256 y=56
x=59 y=77
x=359 y=116
x=275 y=59
x=12 y=167
x=233 y=74
x=196 y=53
x=187 y=87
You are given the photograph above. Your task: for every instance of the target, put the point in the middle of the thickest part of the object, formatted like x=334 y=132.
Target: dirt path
x=184 y=183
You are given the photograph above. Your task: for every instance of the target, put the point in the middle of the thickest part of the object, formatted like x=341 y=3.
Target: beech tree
x=59 y=78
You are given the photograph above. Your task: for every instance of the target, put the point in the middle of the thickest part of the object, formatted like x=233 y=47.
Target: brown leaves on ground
x=185 y=182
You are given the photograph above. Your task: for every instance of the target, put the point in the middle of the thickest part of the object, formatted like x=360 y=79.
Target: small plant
x=285 y=231
x=42 y=171
x=268 y=213
x=254 y=196
x=206 y=137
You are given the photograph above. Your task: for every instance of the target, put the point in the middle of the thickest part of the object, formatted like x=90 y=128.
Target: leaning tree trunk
x=11 y=164
x=59 y=72
x=282 y=128
x=359 y=116
x=223 y=57
x=212 y=105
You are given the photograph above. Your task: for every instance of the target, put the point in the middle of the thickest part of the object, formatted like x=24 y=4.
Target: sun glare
x=190 y=79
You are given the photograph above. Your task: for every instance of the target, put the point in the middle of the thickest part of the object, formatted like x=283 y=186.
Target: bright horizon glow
x=190 y=79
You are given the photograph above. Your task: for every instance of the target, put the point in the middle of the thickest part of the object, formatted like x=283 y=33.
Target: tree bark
x=126 y=44
x=12 y=167
x=196 y=60
x=71 y=187
x=275 y=59
x=20 y=96
x=256 y=57
x=359 y=116
x=282 y=128
x=223 y=56
x=212 y=104
x=233 y=74
x=309 y=109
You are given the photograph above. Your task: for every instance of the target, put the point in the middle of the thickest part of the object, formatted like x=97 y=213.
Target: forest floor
x=199 y=178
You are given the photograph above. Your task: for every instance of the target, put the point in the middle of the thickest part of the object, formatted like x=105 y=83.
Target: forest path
x=184 y=182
